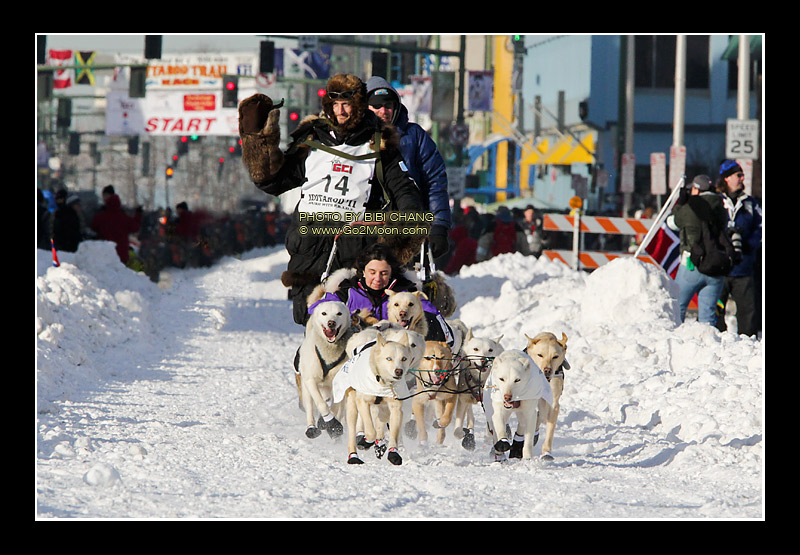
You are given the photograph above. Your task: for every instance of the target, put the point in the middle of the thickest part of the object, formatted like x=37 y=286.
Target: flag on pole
x=664 y=249
x=56 y=263
x=85 y=75
x=62 y=78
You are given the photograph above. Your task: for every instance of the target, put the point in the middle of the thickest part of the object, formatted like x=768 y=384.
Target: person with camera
x=744 y=227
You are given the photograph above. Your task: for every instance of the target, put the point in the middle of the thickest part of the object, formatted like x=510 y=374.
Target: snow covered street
x=178 y=401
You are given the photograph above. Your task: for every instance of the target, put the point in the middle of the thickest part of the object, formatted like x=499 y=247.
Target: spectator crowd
x=149 y=241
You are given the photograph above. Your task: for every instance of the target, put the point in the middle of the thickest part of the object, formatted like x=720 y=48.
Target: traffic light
x=74 y=143
x=230 y=91
x=380 y=64
x=170 y=171
x=293 y=114
x=220 y=167
x=137 y=86
x=183 y=146
x=519 y=44
x=152 y=47
x=583 y=109
x=64 y=116
x=133 y=145
x=236 y=149
x=266 y=57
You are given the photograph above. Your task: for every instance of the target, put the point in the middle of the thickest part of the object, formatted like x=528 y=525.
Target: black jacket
x=309 y=253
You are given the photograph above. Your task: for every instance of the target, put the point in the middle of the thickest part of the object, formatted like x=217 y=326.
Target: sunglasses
x=346 y=95
x=389 y=105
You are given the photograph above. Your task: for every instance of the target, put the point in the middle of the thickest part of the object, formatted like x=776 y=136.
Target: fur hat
x=355 y=90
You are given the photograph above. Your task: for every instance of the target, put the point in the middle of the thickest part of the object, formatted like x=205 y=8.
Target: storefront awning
x=732 y=51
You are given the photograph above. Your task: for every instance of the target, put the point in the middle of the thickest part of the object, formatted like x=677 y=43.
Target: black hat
x=729 y=167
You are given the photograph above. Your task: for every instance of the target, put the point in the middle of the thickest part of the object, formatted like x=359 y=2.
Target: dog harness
x=326 y=366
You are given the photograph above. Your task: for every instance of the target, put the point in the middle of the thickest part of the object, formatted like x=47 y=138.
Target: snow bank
x=88 y=305
x=633 y=363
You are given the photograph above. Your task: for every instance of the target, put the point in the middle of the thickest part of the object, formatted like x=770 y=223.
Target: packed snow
x=177 y=400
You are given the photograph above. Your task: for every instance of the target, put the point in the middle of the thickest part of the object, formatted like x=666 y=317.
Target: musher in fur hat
x=337 y=159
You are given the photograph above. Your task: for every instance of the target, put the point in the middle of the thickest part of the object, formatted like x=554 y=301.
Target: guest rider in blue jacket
x=425 y=164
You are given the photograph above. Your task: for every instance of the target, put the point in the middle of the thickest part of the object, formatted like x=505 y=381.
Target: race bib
x=335 y=183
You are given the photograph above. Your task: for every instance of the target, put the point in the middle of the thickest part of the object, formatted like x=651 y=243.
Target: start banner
x=171 y=113
x=184 y=96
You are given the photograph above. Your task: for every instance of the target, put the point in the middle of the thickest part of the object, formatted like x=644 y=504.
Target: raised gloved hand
x=260 y=133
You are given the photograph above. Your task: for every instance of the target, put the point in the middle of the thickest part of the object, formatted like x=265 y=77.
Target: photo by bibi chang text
x=367 y=223
x=367 y=217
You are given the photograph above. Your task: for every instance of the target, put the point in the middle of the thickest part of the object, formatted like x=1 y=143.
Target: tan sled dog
x=373 y=386
x=436 y=384
x=548 y=353
x=320 y=357
x=405 y=308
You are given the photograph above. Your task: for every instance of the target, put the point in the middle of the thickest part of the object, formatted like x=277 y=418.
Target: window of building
x=655 y=61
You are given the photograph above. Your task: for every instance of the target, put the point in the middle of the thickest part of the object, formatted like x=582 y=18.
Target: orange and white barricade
x=578 y=224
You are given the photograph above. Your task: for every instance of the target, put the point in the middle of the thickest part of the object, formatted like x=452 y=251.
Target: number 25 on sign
x=741 y=139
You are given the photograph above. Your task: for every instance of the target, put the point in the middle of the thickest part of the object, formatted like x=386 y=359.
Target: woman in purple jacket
x=376 y=271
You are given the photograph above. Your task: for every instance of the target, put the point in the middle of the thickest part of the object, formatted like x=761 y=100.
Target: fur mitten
x=261 y=135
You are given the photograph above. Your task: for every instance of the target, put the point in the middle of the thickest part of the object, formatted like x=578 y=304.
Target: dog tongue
x=405 y=323
x=329 y=332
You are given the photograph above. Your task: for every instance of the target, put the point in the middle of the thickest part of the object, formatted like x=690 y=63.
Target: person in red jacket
x=112 y=224
x=464 y=249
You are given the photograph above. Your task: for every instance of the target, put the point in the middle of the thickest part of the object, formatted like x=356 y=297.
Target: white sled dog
x=474 y=367
x=435 y=385
x=373 y=385
x=517 y=385
x=321 y=355
x=548 y=353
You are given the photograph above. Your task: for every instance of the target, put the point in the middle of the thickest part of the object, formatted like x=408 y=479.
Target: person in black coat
x=346 y=162
x=66 y=224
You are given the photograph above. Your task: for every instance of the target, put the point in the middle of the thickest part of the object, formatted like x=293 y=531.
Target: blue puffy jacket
x=744 y=213
x=425 y=164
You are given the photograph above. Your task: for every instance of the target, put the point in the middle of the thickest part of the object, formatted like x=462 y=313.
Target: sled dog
x=474 y=368
x=391 y=332
x=320 y=357
x=405 y=308
x=548 y=354
x=516 y=386
x=436 y=385
x=373 y=385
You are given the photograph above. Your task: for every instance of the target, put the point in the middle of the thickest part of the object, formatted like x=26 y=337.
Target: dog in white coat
x=374 y=388
x=516 y=386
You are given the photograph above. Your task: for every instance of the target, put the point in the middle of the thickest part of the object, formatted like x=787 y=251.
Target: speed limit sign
x=741 y=139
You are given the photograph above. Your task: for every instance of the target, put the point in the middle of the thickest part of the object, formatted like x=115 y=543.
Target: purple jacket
x=356 y=296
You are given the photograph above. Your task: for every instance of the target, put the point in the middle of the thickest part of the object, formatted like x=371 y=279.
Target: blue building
x=576 y=84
